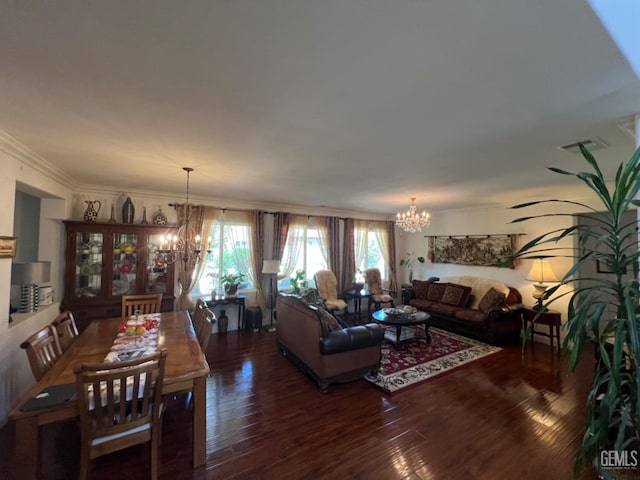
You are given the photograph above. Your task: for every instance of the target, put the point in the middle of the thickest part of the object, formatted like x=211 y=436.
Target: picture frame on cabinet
x=8 y=247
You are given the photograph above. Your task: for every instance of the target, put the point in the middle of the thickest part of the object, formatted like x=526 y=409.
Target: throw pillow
x=310 y=297
x=492 y=298
x=456 y=295
x=435 y=291
x=329 y=320
x=421 y=287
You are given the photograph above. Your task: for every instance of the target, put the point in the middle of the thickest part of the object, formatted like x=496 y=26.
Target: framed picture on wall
x=8 y=247
x=604 y=267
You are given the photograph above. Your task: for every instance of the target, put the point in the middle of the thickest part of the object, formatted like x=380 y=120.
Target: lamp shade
x=541 y=272
x=30 y=273
x=271 y=266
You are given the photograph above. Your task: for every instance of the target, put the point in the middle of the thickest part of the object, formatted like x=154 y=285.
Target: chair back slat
x=66 y=328
x=205 y=329
x=114 y=401
x=43 y=350
x=198 y=314
x=146 y=303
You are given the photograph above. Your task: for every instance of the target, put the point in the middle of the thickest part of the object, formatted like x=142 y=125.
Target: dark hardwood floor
x=507 y=416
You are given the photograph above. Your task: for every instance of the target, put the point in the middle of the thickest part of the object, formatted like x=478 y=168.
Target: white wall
x=487 y=221
x=37 y=178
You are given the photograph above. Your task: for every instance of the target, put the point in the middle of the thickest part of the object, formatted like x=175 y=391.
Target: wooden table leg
x=27 y=448
x=199 y=421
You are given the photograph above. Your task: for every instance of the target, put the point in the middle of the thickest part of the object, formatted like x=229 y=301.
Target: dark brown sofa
x=474 y=306
x=321 y=347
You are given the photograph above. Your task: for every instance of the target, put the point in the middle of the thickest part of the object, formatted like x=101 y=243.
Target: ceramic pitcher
x=91 y=213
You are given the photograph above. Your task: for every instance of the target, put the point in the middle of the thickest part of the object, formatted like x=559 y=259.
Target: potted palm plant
x=613 y=417
x=409 y=262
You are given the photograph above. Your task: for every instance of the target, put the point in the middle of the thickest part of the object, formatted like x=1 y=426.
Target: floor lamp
x=271 y=268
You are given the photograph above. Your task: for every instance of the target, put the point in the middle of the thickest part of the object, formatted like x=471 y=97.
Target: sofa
x=324 y=347
x=481 y=308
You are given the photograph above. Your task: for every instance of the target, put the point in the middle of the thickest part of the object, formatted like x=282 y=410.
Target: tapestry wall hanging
x=483 y=250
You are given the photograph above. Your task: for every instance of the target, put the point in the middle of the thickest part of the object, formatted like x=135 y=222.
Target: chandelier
x=186 y=245
x=410 y=221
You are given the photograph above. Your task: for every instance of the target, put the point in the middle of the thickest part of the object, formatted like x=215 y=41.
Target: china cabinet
x=107 y=260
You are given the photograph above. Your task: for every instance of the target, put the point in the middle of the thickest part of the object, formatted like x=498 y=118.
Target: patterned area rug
x=418 y=362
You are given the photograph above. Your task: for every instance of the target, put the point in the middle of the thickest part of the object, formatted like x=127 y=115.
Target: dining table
x=186 y=370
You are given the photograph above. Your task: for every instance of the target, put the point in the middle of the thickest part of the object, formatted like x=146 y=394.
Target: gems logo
x=625 y=459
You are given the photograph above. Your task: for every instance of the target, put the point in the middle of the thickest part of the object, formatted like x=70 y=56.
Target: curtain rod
x=174 y=205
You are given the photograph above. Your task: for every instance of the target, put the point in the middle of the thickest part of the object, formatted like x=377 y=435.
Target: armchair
x=380 y=295
x=327 y=286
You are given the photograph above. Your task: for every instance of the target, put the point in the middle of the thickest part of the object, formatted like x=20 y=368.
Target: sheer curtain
x=320 y=224
x=293 y=246
x=187 y=276
x=360 y=234
x=242 y=236
x=386 y=242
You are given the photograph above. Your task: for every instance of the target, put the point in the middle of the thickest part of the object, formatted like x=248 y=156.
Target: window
x=303 y=250
x=230 y=253
x=368 y=251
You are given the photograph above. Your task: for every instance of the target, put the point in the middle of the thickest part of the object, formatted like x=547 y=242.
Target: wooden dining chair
x=66 y=328
x=205 y=329
x=198 y=314
x=43 y=350
x=145 y=303
x=112 y=421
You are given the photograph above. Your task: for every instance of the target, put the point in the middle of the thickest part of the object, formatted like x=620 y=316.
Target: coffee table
x=403 y=320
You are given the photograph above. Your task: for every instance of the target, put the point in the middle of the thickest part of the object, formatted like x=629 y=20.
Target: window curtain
x=320 y=224
x=332 y=224
x=244 y=258
x=257 y=235
x=280 y=232
x=386 y=241
x=187 y=275
x=348 y=256
x=360 y=240
x=293 y=246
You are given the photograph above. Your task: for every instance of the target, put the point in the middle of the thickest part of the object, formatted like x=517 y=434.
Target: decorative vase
x=144 y=216
x=159 y=218
x=223 y=322
x=91 y=213
x=128 y=211
x=113 y=214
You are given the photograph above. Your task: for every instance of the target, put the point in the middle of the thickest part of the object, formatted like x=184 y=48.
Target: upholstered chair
x=327 y=286
x=380 y=295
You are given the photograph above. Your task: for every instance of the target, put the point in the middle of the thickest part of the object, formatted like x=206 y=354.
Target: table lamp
x=540 y=273
x=271 y=268
x=29 y=275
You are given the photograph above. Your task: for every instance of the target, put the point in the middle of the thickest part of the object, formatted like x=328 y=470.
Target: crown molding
x=11 y=147
x=230 y=204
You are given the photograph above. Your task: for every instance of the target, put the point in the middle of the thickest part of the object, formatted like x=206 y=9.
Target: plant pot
x=231 y=290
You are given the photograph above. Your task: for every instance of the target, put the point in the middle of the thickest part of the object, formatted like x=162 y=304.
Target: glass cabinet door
x=156 y=268
x=125 y=262
x=88 y=262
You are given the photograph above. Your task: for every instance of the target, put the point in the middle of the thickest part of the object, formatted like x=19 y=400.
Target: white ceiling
x=350 y=104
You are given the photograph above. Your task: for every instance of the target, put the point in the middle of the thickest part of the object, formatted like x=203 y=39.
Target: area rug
x=417 y=362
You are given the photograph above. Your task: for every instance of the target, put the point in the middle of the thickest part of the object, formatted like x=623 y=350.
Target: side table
x=357 y=296
x=551 y=318
x=235 y=300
